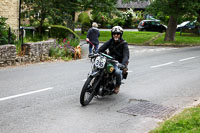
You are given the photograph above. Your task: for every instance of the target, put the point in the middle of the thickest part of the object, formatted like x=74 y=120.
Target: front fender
x=94 y=74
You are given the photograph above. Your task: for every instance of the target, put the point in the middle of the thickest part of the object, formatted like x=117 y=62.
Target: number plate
x=100 y=62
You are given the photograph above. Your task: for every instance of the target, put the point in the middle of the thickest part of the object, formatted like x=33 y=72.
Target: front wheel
x=88 y=91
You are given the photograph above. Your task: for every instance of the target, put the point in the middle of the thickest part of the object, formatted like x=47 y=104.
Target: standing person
x=92 y=36
x=118 y=48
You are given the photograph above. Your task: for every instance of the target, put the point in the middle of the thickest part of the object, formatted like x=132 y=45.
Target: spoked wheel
x=88 y=91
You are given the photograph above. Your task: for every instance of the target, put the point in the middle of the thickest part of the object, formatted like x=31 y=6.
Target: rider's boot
x=117 y=89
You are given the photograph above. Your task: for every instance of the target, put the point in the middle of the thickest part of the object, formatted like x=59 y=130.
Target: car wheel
x=164 y=30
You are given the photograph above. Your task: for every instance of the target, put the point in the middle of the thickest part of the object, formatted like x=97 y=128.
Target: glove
x=121 y=66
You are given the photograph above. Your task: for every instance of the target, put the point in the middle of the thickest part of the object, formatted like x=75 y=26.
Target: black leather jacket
x=119 y=50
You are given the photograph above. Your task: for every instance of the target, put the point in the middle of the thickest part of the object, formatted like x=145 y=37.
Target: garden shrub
x=4 y=31
x=127 y=16
x=102 y=19
x=63 y=50
x=85 y=21
x=118 y=21
x=67 y=40
x=62 y=32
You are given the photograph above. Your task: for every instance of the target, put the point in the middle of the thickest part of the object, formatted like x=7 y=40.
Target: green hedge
x=85 y=21
x=61 y=32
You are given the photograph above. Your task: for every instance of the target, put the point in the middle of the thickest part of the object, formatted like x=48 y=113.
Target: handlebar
x=103 y=54
x=93 y=55
x=109 y=58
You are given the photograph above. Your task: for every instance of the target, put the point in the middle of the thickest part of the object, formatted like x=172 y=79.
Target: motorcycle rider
x=118 y=48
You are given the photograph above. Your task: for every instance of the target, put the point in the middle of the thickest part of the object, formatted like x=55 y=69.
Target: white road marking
x=187 y=59
x=151 y=50
x=162 y=65
x=24 y=94
x=129 y=71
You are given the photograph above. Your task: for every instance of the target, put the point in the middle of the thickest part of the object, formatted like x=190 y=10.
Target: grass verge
x=187 y=121
x=186 y=39
x=141 y=38
x=137 y=38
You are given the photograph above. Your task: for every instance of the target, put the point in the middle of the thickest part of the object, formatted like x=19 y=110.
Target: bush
x=63 y=50
x=102 y=19
x=18 y=46
x=61 y=32
x=4 y=31
x=127 y=16
x=36 y=38
x=118 y=21
x=85 y=21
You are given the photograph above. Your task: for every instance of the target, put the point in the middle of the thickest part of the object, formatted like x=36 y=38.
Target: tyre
x=88 y=91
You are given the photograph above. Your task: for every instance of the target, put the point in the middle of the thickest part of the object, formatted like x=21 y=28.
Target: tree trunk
x=171 y=30
x=198 y=21
x=73 y=21
x=40 y=26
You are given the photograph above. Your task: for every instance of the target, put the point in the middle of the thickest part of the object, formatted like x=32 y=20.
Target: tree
x=174 y=9
x=198 y=21
x=64 y=11
x=38 y=10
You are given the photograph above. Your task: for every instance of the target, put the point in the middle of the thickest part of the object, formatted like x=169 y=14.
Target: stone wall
x=10 y=9
x=7 y=55
x=32 y=52
x=38 y=51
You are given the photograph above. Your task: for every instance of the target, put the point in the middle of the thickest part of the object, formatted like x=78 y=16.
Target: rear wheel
x=88 y=91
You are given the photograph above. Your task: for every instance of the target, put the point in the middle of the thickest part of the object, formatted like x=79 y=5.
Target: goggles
x=116 y=33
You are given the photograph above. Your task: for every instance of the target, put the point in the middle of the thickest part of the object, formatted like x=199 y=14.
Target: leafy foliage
x=38 y=12
x=84 y=19
x=4 y=32
x=102 y=18
x=63 y=50
x=62 y=32
x=175 y=9
x=128 y=16
x=118 y=21
x=37 y=37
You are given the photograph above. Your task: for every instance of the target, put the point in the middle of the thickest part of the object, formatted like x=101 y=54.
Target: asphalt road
x=44 y=97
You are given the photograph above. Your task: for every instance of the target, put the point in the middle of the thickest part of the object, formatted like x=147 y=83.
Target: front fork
x=98 y=76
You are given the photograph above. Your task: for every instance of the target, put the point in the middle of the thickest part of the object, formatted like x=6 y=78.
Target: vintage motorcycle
x=101 y=80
